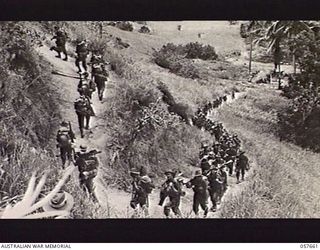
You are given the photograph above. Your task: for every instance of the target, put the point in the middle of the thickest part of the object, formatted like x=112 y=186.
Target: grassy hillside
x=29 y=119
x=284 y=179
x=133 y=93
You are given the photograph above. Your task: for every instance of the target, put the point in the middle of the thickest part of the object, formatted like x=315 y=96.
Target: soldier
x=214 y=186
x=142 y=186
x=65 y=138
x=87 y=163
x=100 y=76
x=204 y=164
x=82 y=53
x=84 y=111
x=171 y=188
x=199 y=184
x=223 y=177
x=241 y=166
x=61 y=39
x=85 y=86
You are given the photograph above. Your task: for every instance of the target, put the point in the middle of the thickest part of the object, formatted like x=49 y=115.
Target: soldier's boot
x=166 y=212
x=66 y=56
x=87 y=124
x=205 y=212
x=52 y=48
x=213 y=208
x=59 y=55
x=81 y=132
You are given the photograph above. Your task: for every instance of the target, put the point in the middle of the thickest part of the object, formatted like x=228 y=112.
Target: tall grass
x=29 y=117
x=284 y=179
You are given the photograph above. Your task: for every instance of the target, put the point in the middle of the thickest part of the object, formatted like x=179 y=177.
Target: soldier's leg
x=242 y=174
x=195 y=204
x=81 y=123
x=167 y=208
x=87 y=121
x=175 y=203
x=69 y=154
x=204 y=205
x=143 y=202
x=77 y=62
x=213 y=200
x=90 y=187
x=84 y=63
x=238 y=175
x=64 y=50
x=58 y=50
x=63 y=156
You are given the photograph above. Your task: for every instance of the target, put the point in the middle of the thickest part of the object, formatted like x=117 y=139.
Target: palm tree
x=277 y=32
x=253 y=28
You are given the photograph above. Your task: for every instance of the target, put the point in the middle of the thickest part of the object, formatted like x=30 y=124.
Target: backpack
x=146 y=184
x=63 y=139
x=82 y=48
x=84 y=88
x=61 y=37
x=81 y=105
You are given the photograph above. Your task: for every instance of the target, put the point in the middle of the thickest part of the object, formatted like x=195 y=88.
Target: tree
x=277 y=32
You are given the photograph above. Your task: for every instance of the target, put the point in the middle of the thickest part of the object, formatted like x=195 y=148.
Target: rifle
x=212 y=168
x=94 y=152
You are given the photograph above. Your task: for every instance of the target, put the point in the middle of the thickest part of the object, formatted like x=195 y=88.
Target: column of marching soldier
x=86 y=161
x=209 y=181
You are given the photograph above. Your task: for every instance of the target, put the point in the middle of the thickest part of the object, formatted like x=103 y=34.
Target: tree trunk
x=250 y=54
x=100 y=29
x=294 y=63
x=279 y=77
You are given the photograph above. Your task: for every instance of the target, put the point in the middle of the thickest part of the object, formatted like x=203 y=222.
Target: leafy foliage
x=300 y=121
x=174 y=58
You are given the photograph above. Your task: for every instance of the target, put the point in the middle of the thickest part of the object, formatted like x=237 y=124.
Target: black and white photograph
x=159 y=119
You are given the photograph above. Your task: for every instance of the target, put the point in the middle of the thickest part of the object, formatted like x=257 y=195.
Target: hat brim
x=67 y=206
x=169 y=172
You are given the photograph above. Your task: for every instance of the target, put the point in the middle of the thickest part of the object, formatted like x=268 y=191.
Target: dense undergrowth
x=29 y=115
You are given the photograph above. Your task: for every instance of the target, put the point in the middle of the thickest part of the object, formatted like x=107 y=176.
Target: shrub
x=300 y=121
x=124 y=25
x=145 y=30
x=197 y=50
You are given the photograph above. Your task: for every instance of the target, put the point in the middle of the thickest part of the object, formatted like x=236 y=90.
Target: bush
x=124 y=25
x=300 y=121
x=175 y=58
x=145 y=30
x=197 y=50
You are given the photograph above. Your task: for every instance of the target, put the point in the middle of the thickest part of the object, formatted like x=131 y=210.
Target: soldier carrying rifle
x=172 y=188
x=87 y=163
x=65 y=139
x=142 y=186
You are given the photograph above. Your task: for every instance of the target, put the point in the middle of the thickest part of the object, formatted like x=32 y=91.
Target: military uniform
x=100 y=76
x=88 y=167
x=84 y=111
x=86 y=87
x=64 y=139
x=142 y=186
x=241 y=166
x=82 y=53
x=214 y=188
x=171 y=188
x=199 y=184
x=61 y=39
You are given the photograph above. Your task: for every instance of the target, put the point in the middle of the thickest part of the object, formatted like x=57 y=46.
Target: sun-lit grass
x=284 y=179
